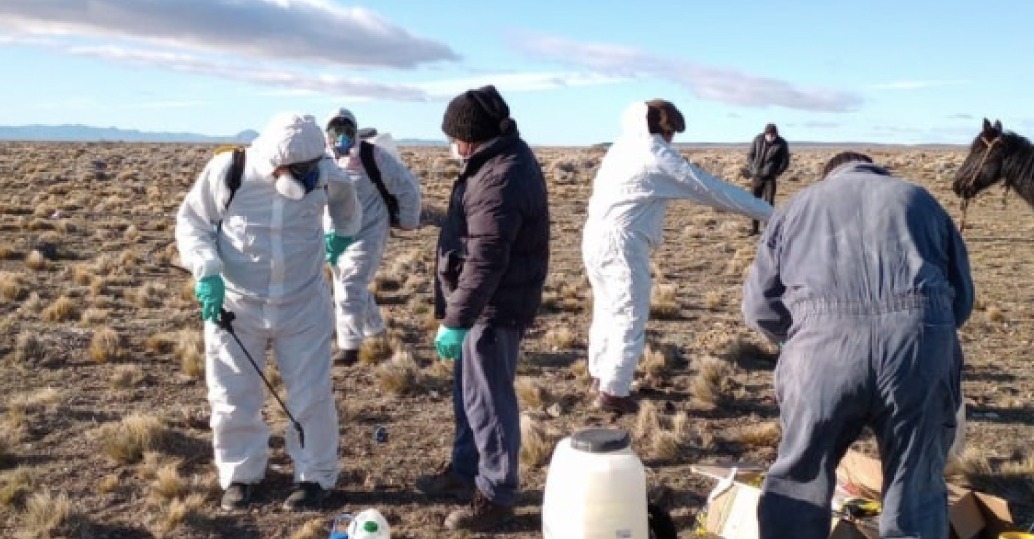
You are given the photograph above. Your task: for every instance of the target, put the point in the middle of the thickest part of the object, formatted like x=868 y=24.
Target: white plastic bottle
x=369 y=524
x=595 y=488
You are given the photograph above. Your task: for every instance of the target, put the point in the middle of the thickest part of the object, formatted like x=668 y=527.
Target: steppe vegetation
x=103 y=417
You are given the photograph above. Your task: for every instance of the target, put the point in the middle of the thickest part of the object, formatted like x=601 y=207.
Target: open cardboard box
x=732 y=513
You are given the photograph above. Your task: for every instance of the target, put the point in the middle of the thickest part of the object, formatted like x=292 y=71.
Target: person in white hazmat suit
x=640 y=173
x=258 y=252
x=356 y=313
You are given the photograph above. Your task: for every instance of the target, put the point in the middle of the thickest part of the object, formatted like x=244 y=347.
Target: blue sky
x=899 y=72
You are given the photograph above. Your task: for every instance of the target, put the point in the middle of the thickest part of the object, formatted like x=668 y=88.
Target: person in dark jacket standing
x=768 y=158
x=492 y=259
x=865 y=279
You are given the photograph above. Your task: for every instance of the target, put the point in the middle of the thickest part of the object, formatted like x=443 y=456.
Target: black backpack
x=370 y=164
x=235 y=174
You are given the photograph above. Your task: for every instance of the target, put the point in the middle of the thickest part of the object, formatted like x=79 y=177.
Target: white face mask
x=289 y=187
x=454 y=152
x=770 y=138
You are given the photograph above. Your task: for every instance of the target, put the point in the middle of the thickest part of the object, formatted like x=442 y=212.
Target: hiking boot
x=446 y=484
x=621 y=405
x=307 y=495
x=481 y=515
x=346 y=357
x=237 y=496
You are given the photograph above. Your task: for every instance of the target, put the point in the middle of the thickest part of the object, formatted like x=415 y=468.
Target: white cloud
x=309 y=30
x=518 y=82
x=916 y=84
x=706 y=82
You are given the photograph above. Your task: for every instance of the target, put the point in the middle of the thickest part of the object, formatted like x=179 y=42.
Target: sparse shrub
x=160 y=343
x=536 y=444
x=36 y=261
x=714 y=300
x=168 y=484
x=49 y=515
x=93 y=316
x=16 y=484
x=763 y=434
x=109 y=483
x=313 y=529
x=29 y=348
x=995 y=314
x=376 y=350
x=7 y=253
x=150 y=294
x=125 y=442
x=663 y=302
x=126 y=376
x=712 y=385
x=12 y=288
x=655 y=362
x=182 y=511
x=105 y=346
x=647 y=423
x=399 y=375
x=7 y=444
x=61 y=310
x=530 y=393
x=190 y=350
x=560 y=338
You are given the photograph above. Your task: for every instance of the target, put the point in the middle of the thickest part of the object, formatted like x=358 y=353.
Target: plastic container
x=595 y=488
x=369 y=524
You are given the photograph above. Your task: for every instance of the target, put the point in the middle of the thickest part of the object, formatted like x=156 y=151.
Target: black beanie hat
x=477 y=116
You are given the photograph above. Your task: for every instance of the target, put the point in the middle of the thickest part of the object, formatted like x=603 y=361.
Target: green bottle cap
x=370 y=526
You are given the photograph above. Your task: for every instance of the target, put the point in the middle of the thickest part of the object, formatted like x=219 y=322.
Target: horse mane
x=1018 y=161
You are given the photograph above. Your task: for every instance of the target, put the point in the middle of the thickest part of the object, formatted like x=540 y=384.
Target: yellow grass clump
x=536 y=443
x=106 y=345
x=28 y=348
x=664 y=303
x=189 y=348
x=62 y=309
x=12 y=286
x=560 y=338
x=376 y=350
x=313 y=529
x=49 y=515
x=531 y=394
x=712 y=385
x=400 y=375
x=125 y=442
x=126 y=376
x=182 y=511
x=36 y=261
x=15 y=485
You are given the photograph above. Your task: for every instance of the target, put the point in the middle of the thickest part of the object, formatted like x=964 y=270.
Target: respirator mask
x=300 y=179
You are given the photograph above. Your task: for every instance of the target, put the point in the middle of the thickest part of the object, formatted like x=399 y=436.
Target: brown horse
x=996 y=155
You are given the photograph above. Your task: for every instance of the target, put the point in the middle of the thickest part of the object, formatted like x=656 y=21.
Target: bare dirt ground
x=104 y=426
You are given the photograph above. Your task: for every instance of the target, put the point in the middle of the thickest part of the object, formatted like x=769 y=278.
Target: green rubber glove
x=335 y=245
x=210 y=291
x=449 y=342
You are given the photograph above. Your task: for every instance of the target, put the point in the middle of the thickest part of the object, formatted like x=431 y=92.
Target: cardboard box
x=732 y=513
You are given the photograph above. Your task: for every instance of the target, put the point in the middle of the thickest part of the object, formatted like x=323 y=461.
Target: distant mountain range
x=86 y=133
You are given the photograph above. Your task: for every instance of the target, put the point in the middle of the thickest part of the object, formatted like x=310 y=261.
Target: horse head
x=983 y=166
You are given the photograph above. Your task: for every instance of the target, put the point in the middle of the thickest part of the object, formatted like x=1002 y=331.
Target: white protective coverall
x=639 y=175
x=356 y=312
x=269 y=251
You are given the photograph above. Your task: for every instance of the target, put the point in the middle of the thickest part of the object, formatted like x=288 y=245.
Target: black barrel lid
x=600 y=440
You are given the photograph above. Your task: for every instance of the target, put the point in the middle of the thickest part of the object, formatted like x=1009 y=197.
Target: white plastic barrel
x=369 y=524
x=595 y=488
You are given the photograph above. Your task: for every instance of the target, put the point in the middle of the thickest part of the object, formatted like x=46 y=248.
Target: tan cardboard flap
x=863 y=473
x=966 y=518
x=734 y=513
x=996 y=514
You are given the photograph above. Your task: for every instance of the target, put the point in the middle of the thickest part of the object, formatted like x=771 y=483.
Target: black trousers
x=765 y=189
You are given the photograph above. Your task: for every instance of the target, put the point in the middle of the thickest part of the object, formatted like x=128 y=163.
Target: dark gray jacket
x=768 y=160
x=493 y=248
x=859 y=241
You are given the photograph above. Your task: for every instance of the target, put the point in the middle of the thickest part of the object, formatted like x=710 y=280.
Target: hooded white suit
x=639 y=175
x=269 y=251
x=356 y=312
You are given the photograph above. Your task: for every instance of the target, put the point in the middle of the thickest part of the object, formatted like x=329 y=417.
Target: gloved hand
x=334 y=245
x=210 y=291
x=449 y=342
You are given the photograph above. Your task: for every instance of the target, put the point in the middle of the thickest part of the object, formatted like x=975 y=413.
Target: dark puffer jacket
x=493 y=248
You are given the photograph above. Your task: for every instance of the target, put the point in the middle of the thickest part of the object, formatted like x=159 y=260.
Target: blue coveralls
x=865 y=279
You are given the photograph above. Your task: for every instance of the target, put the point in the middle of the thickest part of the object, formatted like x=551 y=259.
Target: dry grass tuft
x=12 y=286
x=7 y=444
x=764 y=434
x=127 y=376
x=664 y=303
x=536 y=443
x=16 y=485
x=376 y=350
x=28 y=348
x=106 y=345
x=109 y=483
x=182 y=511
x=714 y=300
x=531 y=394
x=49 y=515
x=712 y=385
x=61 y=310
x=313 y=529
x=400 y=375
x=647 y=423
x=168 y=484
x=160 y=343
x=995 y=314
x=125 y=442
x=189 y=348
x=36 y=261
x=93 y=316
x=150 y=295
x=1011 y=479
x=560 y=338
x=655 y=363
